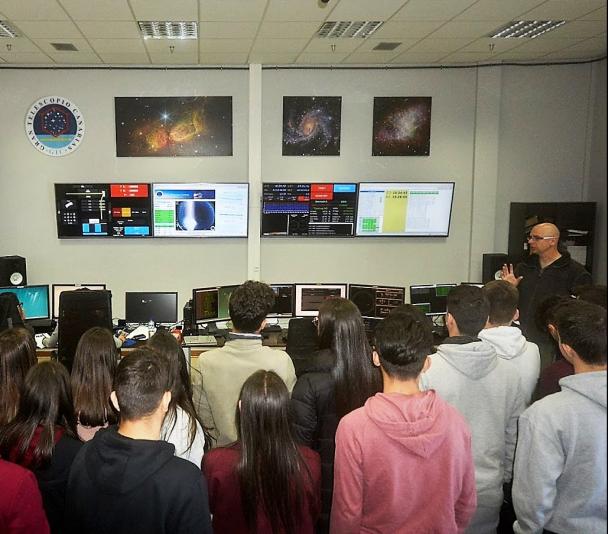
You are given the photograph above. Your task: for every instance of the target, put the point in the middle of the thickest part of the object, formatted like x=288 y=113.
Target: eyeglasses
x=315 y=321
x=539 y=237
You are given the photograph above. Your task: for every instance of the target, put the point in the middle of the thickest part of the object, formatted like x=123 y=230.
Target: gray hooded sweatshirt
x=560 y=466
x=487 y=391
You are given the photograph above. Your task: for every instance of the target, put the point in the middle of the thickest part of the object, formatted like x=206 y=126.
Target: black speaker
x=12 y=271
x=189 y=326
x=492 y=266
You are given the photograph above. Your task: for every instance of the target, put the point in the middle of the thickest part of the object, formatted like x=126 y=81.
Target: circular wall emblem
x=54 y=125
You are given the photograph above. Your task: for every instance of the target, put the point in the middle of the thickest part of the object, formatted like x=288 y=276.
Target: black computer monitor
x=310 y=296
x=376 y=301
x=284 y=298
x=60 y=288
x=431 y=298
x=211 y=303
x=156 y=306
x=34 y=299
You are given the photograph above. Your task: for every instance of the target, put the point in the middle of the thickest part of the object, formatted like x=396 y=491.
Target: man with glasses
x=547 y=271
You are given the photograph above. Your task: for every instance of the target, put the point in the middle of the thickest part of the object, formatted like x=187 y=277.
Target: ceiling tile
x=515 y=55
x=272 y=58
x=322 y=46
x=219 y=58
x=441 y=45
x=295 y=10
x=35 y=29
x=127 y=46
x=591 y=47
x=287 y=30
x=124 y=59
x=546 y=45
x=366 y=10
x=98 y=10
x=279 y=46
x=225 y=45
x=419 y=58
x=470 y=29
x=32 y=10
x=165 y=10
x=321 y=59
x=231 y=10
x=496 y=46
x=227 y=30
x=598 y=14
x=439 y=10
x=174 y=59
x=573 y=54
x=564 y=9
x=466 y=57
x=577 y=29
x=25 y=57
x=102 y=30
x=498 y=10
x=180 y=46
x=80 y=44
x=18 y=45
x=369 y=44
x=378 y=56
x=84 y=58
x=396 y=29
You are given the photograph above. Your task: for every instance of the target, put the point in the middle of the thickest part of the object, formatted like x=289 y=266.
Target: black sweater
x=122 y=485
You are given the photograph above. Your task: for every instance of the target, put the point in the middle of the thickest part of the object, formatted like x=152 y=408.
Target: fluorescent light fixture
x=6 y=30
x=348 y=29
x=518 y=29
x=158 y=29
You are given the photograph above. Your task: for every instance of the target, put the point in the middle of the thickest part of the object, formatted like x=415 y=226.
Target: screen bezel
x=424 y=236
x=293 y=302
x=211 y=319
x=375 y=286
x=298 y=312
x=152 y=293
x=48 y=299
x=92 y=287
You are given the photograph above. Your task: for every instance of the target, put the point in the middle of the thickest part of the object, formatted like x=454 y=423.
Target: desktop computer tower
x=12 y=271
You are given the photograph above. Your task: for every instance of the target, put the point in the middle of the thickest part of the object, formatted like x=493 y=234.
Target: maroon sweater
x=21 y=509
x=219 y=467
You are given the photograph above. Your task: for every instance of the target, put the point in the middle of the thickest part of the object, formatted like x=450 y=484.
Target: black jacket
x=122 y=485
x=558 y=278
x=313 y=411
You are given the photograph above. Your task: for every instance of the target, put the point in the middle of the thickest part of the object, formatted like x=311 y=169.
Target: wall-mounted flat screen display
x=404 y=209
x=34 y=299
x=103 y=210
x=314 y=210
x=310 y=296
x=376 y=301
x=200 y=210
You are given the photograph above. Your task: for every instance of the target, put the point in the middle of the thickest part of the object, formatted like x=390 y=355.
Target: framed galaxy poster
x=173 y=126
x=311 y=125
x=402 y=126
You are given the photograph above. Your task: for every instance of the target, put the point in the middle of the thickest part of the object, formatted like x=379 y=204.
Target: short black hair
x=503 y=298
x=403 y=341
x=594 y=294
x=249 y=305
x=140 y=382
x=582 y=326
x=469 y=307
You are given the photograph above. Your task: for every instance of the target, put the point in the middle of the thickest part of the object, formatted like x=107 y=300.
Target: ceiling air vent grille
x=386 y=46
x=64 y=47
x=348 y=29
x=158 y=29
x=6 y=30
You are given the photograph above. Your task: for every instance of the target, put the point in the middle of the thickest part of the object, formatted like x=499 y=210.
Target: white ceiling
x=282 y=32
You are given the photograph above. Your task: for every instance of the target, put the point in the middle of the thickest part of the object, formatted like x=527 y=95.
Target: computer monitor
x=155 y=306
x=431 y=298
x=224 y=294
x=310 y=296
x=307 y=209
x=60 y=288
x=34 y=299
x=409 y=209
x=210 y=304
x=376 y=301
x=200 y=209
x=283 y=300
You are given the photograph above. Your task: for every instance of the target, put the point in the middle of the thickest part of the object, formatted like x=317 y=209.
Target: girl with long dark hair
x=42 y=436
x=92 y=373
x=182 y=426
x=264 y=483
x=17 y=355
x=340 y=379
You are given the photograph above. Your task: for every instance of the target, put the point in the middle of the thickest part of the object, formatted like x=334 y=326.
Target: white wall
x=502 y=134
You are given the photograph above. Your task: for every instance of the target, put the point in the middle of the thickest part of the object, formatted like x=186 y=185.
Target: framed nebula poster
x=311 y=125
x=173 y=126
x=402 y=126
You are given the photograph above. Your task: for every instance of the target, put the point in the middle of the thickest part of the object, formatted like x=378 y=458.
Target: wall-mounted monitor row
x=365 y=209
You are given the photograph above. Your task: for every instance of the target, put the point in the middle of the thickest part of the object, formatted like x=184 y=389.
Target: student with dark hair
x=340 y=378
x=560 y=466
x=93 y=369
x=181 y=426
x=17 y=356
x=264 y=483
x=487 y=390
x=127 y=480
x=42 y=436
x=595 y=294
x=224 y=370
x=403 y=460
x=508 y=341
x=21 y=510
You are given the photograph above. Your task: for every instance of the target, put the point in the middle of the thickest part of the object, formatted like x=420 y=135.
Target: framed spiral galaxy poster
x=173 y=126
x=402 y=126
x=311 y=125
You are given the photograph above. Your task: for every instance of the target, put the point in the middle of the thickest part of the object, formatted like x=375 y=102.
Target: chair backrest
x=80 y=310
x=302 y=342
x=9 y=311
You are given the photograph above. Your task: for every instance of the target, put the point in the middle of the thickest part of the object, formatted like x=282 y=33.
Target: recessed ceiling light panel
x=348 y=29
x=530 y=29
x=7 y=31
x=159 y=29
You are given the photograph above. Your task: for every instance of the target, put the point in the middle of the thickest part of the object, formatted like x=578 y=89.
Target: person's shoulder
x=68 y=445
x=179 y=469
x=13 y=475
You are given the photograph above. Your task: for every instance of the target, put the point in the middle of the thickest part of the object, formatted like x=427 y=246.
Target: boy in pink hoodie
x=403 y=461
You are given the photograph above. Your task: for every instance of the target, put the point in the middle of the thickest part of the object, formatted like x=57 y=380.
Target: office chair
x=78 y=311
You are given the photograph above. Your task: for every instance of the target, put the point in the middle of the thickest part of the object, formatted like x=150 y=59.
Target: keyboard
x=200 y=340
